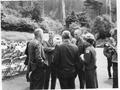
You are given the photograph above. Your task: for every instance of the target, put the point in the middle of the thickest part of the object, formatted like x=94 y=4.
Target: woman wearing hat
x=90 y=62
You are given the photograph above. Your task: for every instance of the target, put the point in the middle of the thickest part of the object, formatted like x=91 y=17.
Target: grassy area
x=18 y=36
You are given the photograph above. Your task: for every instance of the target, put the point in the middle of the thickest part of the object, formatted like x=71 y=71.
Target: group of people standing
x=75 y=56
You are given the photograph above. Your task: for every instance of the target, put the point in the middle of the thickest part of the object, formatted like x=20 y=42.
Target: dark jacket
x=90 y=58
x=81 y=49
x=108 y=52
x=49 y=50
x=65 y=59
x=115 y=56
x=80 y=43
x=36 y=55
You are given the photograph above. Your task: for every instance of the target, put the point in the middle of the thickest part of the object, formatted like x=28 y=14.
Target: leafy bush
x=22 y=20
x=13 y=23
x=81 y=18
x=102 y=27
x=49 y=24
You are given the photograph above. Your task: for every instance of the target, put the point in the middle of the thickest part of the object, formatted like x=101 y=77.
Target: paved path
x=20 y=83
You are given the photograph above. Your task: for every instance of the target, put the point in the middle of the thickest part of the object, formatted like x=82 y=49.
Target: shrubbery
x=11 y=20
x=13 y=23
x=102 y=27
x=49 y=24
x=81 y=18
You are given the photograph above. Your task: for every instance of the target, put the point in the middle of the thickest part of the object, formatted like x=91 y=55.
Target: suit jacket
x=81 y=49
x=65 y=59
x=36 y=55
x=90 y=58
x=48 y=48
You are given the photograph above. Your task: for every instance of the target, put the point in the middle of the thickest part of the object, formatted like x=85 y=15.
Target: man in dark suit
x=36 y=63
x=90 y=62
x=49 y=51
x=65 y=60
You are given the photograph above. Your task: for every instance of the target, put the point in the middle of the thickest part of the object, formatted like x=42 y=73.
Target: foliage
x=80 y=18
x=71 y=18
x=102 y=27
x=30 y=9
x=73 y=26
x=49 y=24
x=94 y=5
x=83 y=19
x=13 y=23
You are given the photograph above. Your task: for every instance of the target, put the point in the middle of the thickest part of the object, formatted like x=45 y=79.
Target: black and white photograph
x=59 y=44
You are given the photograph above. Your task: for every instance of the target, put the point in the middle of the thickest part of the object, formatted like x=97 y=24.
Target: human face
x=76 y=35
x=51 y=34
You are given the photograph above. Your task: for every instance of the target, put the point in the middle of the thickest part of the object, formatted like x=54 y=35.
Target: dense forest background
x=48 y=14
x=53 y=8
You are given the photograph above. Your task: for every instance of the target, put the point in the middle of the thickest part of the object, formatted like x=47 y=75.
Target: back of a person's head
x=38 y=33
x=66 y=35
x=78 y=32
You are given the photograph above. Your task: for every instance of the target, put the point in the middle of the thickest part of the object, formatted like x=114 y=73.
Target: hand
x=82 y=57
x=28 y=76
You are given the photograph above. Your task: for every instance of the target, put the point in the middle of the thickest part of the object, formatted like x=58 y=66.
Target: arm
x=56 y=59
x=47 y=48
x=105 y=52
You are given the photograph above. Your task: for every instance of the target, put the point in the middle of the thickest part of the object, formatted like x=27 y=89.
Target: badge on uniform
x=87 y=51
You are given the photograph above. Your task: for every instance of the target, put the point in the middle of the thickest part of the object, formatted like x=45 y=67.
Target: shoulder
x=45 y=43
x=74 y=46
x=88 y=49
x=34 y=43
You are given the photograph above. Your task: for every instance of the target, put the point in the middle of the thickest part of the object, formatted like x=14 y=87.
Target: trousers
x=50 y=72
x=115 y=75
x=81 y=76
x=37 y=79
x=67 y=83
x=109 y=66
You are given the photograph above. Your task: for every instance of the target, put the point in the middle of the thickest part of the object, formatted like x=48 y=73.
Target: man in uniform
x=90 y=62
x=37 y=61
